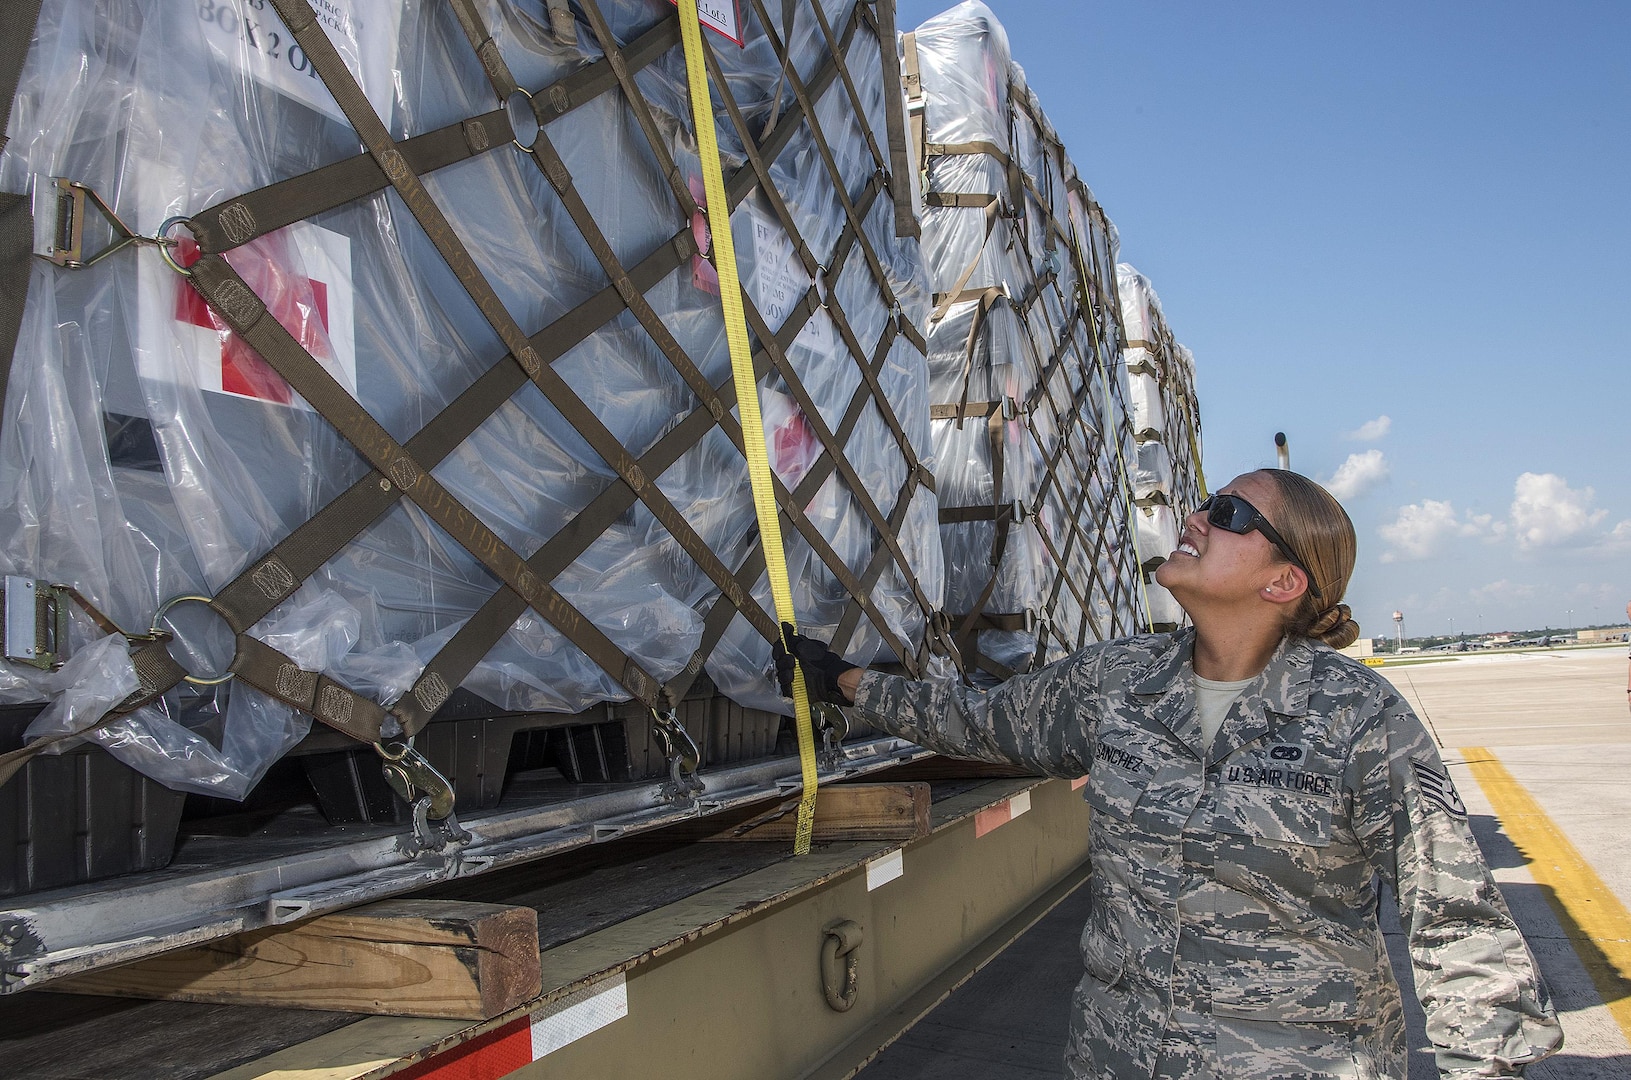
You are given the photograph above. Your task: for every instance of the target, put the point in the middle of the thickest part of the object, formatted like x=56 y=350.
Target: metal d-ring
x=509 y=113
x=166 y=244
x=158 y=628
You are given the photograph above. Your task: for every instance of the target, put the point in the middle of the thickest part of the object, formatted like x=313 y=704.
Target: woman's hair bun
x=1335 y=627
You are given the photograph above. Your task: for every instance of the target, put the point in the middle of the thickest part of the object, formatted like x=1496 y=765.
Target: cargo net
x=457 y=411
x=1030 y=424
x=1167 y=481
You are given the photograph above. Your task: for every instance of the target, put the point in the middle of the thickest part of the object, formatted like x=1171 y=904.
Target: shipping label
x=779 y=282
x=720 y=16
x=248 y=35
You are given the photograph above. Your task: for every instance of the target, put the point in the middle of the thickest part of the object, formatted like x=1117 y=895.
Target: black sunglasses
x=1233 y=514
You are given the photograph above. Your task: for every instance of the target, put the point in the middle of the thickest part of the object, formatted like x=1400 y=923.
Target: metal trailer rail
x=63 y=932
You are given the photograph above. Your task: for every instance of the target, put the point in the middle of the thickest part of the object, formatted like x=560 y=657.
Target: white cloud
x=1361 y=473
x=1547 y=512
x=1371 y=430
x=1422 y=529
x=1504 y=590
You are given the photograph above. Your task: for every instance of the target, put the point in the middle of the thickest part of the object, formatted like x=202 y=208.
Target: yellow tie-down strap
x=747 y=395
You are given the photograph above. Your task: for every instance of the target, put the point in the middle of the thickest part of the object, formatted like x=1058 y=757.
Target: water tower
x=1398 y=625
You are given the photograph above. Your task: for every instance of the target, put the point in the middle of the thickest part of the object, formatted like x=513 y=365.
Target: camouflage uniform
x=1233 y=929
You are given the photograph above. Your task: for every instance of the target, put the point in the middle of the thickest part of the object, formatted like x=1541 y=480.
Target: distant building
x=1360 y=649
x=1613 y=633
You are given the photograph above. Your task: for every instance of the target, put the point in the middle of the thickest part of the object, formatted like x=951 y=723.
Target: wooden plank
x=428 y=958
x=945 y=768
x=845 y=812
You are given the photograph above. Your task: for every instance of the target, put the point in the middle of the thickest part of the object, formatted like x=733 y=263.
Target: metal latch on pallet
x=832 y=723
x=425 y=789
x=684 y=757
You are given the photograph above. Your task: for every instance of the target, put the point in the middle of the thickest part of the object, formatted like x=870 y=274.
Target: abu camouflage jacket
x=1233 y=929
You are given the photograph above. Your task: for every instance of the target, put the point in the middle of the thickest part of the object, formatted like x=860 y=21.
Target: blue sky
x=1399 y=233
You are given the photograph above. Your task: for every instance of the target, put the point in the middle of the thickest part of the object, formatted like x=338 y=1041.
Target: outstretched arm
x=1042 y=720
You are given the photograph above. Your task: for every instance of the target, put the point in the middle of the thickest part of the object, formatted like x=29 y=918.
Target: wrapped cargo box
x=456 y=411
x=1030 y=422
x=1168 y=483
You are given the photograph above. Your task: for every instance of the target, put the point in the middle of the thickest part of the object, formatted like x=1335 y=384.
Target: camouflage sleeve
x=1488 y=1010
x=1040 y=720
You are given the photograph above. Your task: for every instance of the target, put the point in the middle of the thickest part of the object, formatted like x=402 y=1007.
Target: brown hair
x=1316 y=527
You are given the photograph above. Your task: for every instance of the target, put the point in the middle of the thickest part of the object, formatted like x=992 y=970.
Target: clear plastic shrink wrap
x=1166 y=420
x=149 y=452
x=1030 y=426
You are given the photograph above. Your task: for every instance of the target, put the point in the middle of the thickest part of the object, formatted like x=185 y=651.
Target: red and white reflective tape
x=996 y=816
x=502 y=1051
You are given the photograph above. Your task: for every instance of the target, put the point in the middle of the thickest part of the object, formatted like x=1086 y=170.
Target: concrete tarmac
x=1557 y=723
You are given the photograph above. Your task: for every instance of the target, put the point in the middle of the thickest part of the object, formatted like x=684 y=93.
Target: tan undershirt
x=1212 y=701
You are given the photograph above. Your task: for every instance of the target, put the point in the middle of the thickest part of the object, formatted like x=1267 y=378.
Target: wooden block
x=945 y=768
x=845 y=812
x=432 y=958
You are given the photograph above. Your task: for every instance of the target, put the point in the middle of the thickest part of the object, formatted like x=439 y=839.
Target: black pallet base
x=607 y=745
x=79 y=816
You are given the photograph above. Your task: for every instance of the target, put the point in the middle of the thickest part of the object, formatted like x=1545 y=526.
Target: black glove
x=821 y=666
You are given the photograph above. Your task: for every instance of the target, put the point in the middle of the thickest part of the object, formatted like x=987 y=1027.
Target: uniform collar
x=1282 y=689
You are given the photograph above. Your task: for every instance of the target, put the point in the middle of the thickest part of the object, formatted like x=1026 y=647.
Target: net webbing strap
x=268 y=581
x=273 y=577
x=302 y=23
x=900 y=154
x=274 y=674
x=967 y=200
x=243 y=218
x=1117 y=433
x=1066 y=427
x=246 y=314
x=856 y=211
x=156 y=672
x=806 y=104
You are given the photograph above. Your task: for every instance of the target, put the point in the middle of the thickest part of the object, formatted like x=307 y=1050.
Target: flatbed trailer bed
x=660 y=954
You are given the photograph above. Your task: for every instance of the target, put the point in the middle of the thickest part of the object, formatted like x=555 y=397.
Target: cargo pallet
x=648 y=943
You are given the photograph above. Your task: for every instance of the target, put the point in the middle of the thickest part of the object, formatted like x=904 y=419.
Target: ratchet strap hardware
x=65 y=243
x=36 y=624
x=35 y=630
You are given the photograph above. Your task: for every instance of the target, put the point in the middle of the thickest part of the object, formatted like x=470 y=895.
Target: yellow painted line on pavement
x=1595 y=921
